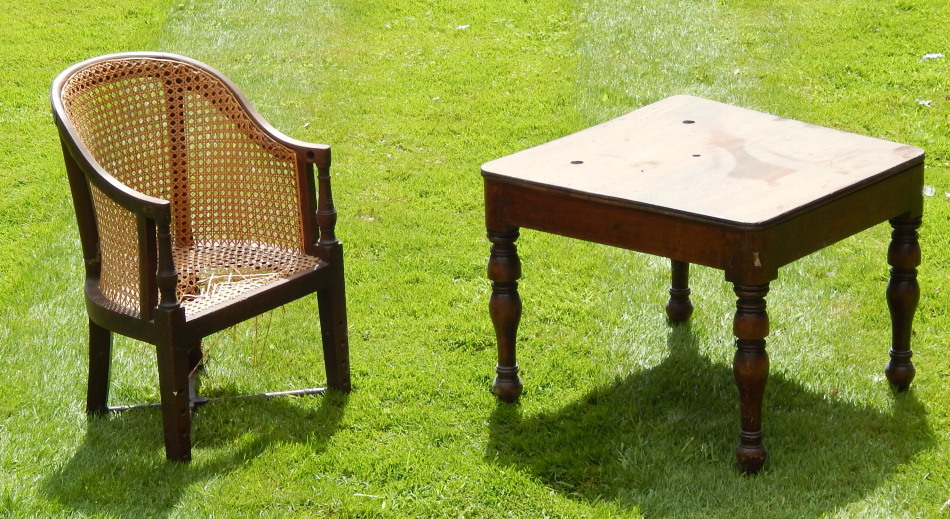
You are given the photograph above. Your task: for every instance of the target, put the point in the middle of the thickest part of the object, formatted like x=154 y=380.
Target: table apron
x=748 y=254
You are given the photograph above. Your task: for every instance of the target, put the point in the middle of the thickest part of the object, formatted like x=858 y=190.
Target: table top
x=690 y=155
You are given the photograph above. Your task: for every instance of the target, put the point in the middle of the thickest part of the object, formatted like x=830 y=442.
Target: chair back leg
x=196 y=359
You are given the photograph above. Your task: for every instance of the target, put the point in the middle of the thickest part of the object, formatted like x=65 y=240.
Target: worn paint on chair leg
x=903 y=294
x=504 y=306
x=751 y=369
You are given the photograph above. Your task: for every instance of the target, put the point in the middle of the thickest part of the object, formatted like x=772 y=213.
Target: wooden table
x=702 y=182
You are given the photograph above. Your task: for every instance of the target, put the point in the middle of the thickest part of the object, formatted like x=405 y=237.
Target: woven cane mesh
x=209 y=275
x=174 y=131
x=119 y=278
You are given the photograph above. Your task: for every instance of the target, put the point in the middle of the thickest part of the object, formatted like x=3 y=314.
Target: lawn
x=623 y=415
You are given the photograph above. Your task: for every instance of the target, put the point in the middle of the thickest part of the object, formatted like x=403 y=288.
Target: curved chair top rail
x=89 y=74
x=319 y=152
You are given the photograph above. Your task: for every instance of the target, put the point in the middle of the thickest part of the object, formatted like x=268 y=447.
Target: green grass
x=622 y=415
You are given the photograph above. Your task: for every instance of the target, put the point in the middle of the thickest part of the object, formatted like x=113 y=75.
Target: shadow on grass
x=120 y=467
x=660 y=442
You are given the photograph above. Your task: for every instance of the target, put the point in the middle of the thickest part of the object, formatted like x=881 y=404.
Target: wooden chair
x=194 y=215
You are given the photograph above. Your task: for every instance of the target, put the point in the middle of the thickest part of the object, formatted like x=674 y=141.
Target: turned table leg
x=903 y=294
x=679 y=307
x=751 y=369
x=504 y=269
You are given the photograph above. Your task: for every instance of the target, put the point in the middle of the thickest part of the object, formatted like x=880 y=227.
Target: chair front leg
x=173 y=369
x=333 y=328
x=100 y=359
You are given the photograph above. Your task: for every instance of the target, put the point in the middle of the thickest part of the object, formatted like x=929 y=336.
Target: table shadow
x=120 y=466
x=660 y=443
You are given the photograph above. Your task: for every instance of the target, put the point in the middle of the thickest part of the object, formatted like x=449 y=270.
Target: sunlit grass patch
x=623 y=415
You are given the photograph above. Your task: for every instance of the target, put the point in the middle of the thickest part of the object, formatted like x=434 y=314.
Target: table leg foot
x=679 y=308
x=504 y=306
x=507 y=385
x=750 y=453
x=751 y=370
x=903 y=294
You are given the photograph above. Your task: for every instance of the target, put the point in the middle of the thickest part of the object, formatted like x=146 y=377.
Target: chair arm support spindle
x=166 y=276
x=326 y=213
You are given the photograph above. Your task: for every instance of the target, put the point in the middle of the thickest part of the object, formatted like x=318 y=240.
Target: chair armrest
x=139 y=203
x=308 y=152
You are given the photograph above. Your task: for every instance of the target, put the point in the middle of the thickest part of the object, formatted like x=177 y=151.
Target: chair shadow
x=661 y=442
x=122 y=457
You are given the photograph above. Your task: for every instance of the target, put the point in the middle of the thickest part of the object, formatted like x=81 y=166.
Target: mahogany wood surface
x=715 y=161
x=703 y=182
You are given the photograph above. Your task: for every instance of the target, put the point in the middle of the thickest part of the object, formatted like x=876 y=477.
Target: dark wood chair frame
x=163 y=322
